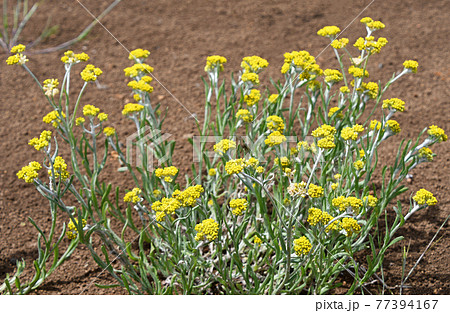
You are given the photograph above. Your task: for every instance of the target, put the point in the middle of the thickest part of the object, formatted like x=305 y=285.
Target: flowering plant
x=282 y=206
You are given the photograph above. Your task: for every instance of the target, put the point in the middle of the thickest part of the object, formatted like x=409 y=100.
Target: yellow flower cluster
x=138 y=54
x=257 y=241
x=411 y=65
x=133 y=196
x=371 y=24
x=250 y=77
x=275 y=123
x=370 y=45
x=375 y=124
x=297 y=189
x=109 y=131
x=275 y=138
x=302 y=246
x=326 y=133
x=334 y=110
x=30 y=172
x=350 y=225
x=273 y=98
x=223 y=146
x=329 y=31
x=253 y=97
x=79 y=121
x=167 y=206
x=138 y=69
x=102 y=117
x=72 y=233
x=42 y=141
x=339 y=43
x=357 y=72
x=371 y=88
x=131 y=108
x=60 y=169
x=54 y=118
x=344 y=203
x=437 y=133
x=168 y=173
x=238 y=206
x=74 y=58
x=426 y=153
x=90 y=110
x=253 y=64
x=303 y=63
x=189 y=196
x=332 y=76
x=50 y=87
x=316 y=216
x=18 y=57
x=252 y=162
x=358 y=165
x=212 y=172
x=344 y=89
x=283 y=162
x=423 y=196
x=394 y=126
x=235 y=166
x=394 y=104
x=142 y=84
x=351 y=133
x=90 y=73
x=244 y=115
x=208 y=229
x=371 y=201
x=215 y=61
x=315 y=191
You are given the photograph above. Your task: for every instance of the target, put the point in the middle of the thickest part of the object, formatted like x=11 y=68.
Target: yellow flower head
x=394 y=104
x=141 y=85
x=334 y=110
x=253 y=97
x=358 y=165
x=90 y=110
x=424 y=197
x=72 y=232
x=426 y=153
x=208 y=229
x=350 y=225
x=437 y=133
x=332 y=76
x=394 y=126
x=132 y=108
x=90 y=73
x=375 y=124
x=138 y=69
x=54 y=118
x=370 y=88
x=17 y=49
x=30 y=172
x=371 y=201
x=302 y=246
x=257 y=241
x=167 y=206
x=42 y=141
x=357 y=72
x=275 y=138
x=329 y=31
x=411 y=65
x=344 y=89
x=50 y=87
x=244 y=115
x=74 y=58
x=250 y=77
x=109 y=131
x=315 y=191
x=60 y=169
x=273 y=98
x=189 y=197
x=215 y=61
x=253 y=64
x=235 y=166
x=133 y=196
x=138 y=54
x=314 y=216
x=274 y=123
x=102 y=117
x=224 y=145
x=212 y=172
x=18 y=57
x=339 y=43
x=238 y=206
x=168 y=173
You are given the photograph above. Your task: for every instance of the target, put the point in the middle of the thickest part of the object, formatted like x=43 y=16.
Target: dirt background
x=180 y=35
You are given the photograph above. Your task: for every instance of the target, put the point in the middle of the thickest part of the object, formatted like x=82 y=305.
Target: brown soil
x=180 y=35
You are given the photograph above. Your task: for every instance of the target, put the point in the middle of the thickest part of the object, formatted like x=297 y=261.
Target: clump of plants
x=281 y=206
